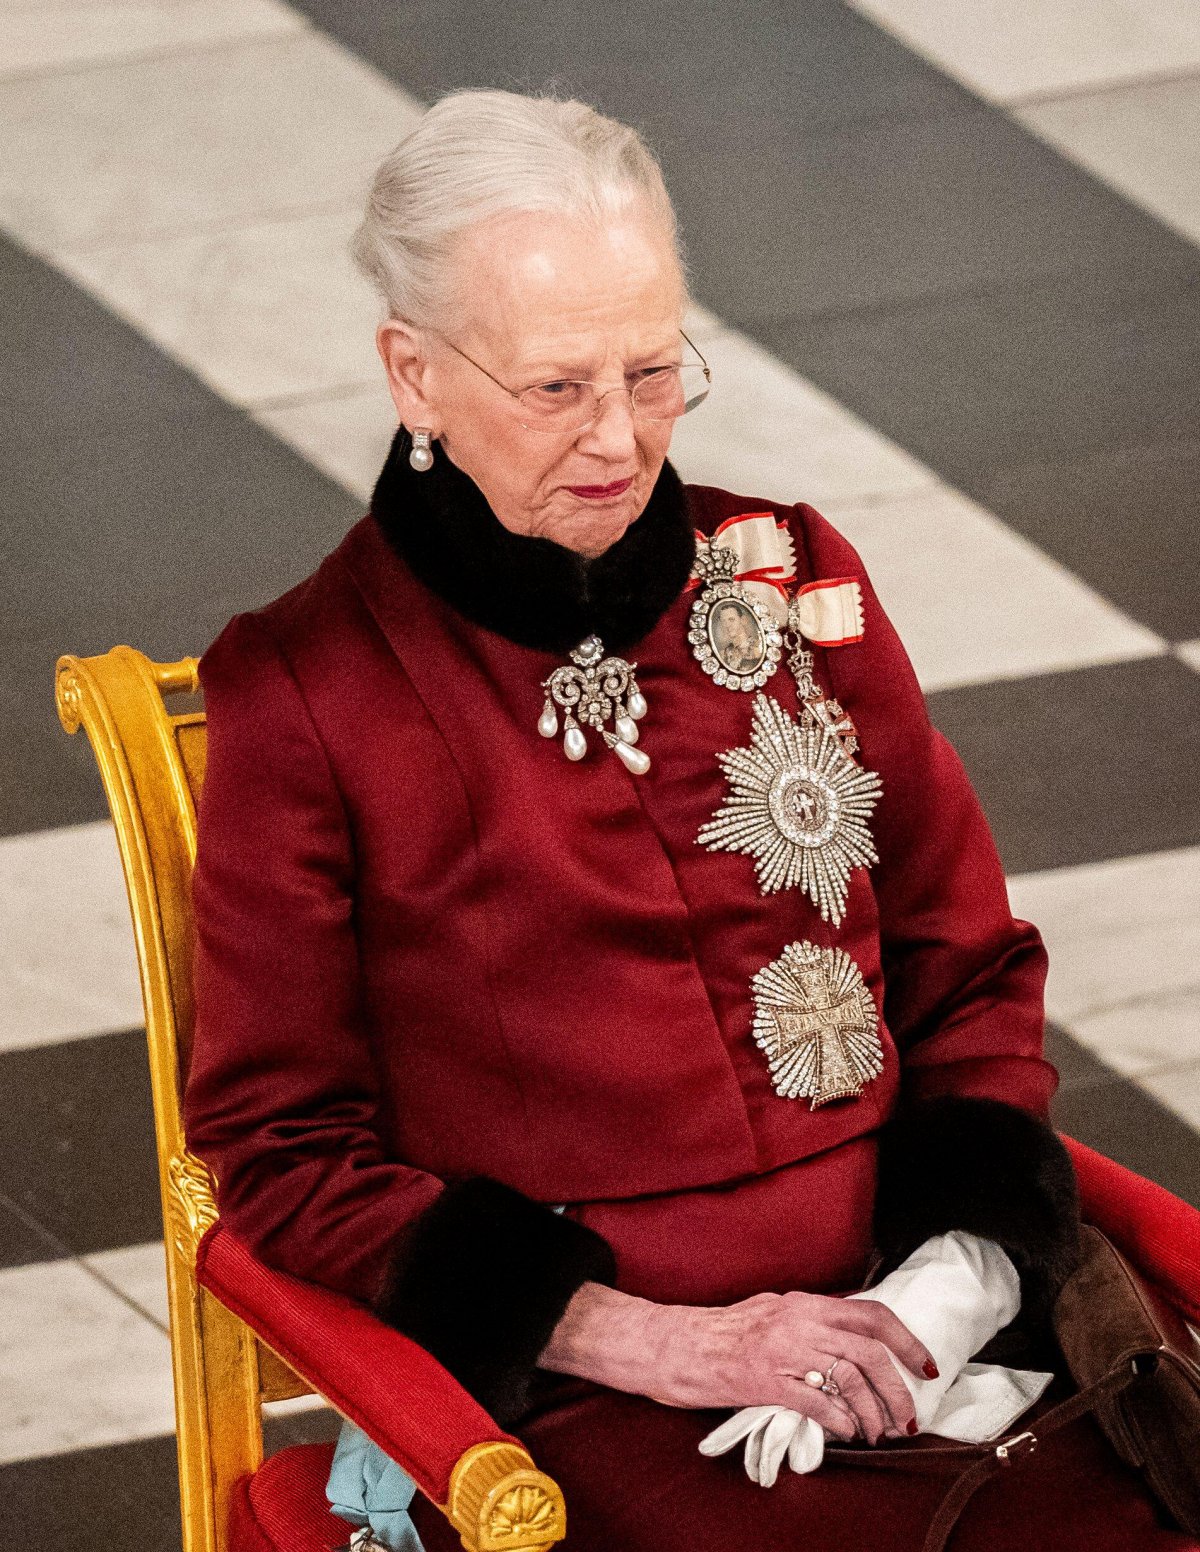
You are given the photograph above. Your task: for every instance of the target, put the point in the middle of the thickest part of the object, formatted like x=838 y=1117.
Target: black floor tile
x=994 y=308
x=1077 y=1067
x=1123 y=519
x=121 y=1496
x=20 y=1241
x=1067 y=408
x=136 y=506
x=1126 y=1124
x=46 y=778
x=77 y=1145
x=118 y=1497
x=696 y=77
x=1018 y=373
x=1082 y=766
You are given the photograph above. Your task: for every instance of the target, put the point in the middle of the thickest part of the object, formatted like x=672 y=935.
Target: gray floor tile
x=1126 y=1124
x=691 y=73
x=990 y=305
x=20 y=1242
x=77 y=1145
x=1067 y=408
x=136 y=506
x=1123 y=518
x=1077 y=1067
x=120 y=1496
x=1082 y=766
x=124 y=1495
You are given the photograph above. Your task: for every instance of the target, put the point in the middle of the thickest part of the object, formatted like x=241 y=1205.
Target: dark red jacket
x=429 y=947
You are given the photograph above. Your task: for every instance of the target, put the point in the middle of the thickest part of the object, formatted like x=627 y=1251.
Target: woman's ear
x=408 y=373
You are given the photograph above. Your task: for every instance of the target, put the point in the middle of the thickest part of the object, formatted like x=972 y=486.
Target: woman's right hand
x=756 y=1353
x=753 y=1353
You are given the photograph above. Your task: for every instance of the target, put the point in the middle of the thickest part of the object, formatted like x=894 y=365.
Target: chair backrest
x=151 y=762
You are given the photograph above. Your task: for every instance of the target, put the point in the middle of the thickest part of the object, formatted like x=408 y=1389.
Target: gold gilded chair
x=242 y=1334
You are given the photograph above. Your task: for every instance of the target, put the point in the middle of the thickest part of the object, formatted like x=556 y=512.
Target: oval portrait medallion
x=734 y=637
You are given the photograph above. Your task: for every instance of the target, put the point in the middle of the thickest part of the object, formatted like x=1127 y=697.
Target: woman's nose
x=613 y=431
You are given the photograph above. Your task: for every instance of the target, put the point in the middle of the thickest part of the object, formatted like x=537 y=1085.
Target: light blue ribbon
x=367 y=1488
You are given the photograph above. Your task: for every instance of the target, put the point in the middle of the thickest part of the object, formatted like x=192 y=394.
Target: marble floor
x=946 y=269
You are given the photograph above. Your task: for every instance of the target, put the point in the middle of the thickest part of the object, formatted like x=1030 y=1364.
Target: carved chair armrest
x=393 y=1390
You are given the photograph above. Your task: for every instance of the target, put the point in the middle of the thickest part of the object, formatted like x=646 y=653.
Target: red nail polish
x=912 y=1427
x=929 y=1369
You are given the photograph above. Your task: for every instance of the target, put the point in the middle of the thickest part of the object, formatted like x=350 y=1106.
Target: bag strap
x=1019 y=1445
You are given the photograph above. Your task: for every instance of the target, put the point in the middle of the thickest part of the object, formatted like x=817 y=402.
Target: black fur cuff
x=481 y=1278
x=987 y=1168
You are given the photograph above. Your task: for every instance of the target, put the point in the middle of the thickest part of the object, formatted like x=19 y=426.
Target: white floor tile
x=1179 y=1090
x=1143 y=140
x=78 y=1367
x=68 y=967
x=273 y=308
x=765 y=431
x=140 y=1272
x=186 y=143
x=974 y=601
x=1007 y=49
x=345 y=435
x=1124 y=944
x=48 y=35
x=1189 y=652
x=1145 y=1034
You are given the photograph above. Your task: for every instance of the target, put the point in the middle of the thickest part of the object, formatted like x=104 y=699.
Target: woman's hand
x=754 y=1353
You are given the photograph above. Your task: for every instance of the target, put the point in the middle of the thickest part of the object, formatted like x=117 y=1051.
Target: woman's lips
x=601 y=492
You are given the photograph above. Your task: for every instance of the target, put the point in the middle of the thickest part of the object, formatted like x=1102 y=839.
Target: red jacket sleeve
x=281 y=1097
x=963 y=979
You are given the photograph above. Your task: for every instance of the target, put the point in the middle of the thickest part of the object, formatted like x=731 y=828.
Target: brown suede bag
x=1108 y=1319
x=1136 y=1362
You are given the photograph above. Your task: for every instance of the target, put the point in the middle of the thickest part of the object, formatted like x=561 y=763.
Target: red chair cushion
x=283 y=1508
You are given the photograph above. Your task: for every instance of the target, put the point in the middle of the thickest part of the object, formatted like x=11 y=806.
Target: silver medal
x=798 y=806
x=733 y=636
x=817 y=1024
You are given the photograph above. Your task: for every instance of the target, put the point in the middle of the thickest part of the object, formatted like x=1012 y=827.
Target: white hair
x=481 y=153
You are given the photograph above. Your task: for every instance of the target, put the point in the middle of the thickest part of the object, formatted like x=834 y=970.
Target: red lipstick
x=601 y=492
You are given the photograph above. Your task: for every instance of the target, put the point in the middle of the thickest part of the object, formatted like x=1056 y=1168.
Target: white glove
x=954 y=1292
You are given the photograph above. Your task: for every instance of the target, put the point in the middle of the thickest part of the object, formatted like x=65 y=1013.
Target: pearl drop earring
x=421 y=456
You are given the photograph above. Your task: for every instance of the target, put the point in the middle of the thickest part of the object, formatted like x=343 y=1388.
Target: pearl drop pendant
x=637 y=761
x=592 y=689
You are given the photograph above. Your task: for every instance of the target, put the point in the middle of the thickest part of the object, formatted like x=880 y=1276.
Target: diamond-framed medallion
x=734 y=637
x=798 y=806
x=817 y=1024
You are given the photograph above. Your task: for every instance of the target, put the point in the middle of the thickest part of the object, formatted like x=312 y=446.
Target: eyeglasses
x=657 y=392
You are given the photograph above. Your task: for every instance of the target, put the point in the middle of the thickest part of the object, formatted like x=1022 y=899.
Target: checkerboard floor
x=947 y=277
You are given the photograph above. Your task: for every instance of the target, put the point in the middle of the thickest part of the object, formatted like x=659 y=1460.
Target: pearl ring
x=826 y=1381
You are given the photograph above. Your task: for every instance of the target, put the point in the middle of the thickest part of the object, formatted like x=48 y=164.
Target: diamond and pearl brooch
x=592 y=690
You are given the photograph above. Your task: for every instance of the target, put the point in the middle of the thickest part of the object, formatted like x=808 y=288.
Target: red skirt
x=635 y=1481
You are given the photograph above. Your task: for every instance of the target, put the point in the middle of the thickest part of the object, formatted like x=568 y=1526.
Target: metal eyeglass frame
x=514 y=393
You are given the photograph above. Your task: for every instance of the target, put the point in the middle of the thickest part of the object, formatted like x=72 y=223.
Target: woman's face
x=548 y=297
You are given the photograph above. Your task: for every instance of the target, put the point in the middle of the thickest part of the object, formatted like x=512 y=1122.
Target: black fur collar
x=531 y=590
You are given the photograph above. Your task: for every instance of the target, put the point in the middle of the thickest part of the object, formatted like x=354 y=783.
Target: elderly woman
x=603 y=967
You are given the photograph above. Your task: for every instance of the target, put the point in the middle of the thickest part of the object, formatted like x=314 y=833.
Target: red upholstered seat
x=282 y=1507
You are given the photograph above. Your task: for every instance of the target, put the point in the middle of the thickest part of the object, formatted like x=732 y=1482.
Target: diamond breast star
x=799 y=806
